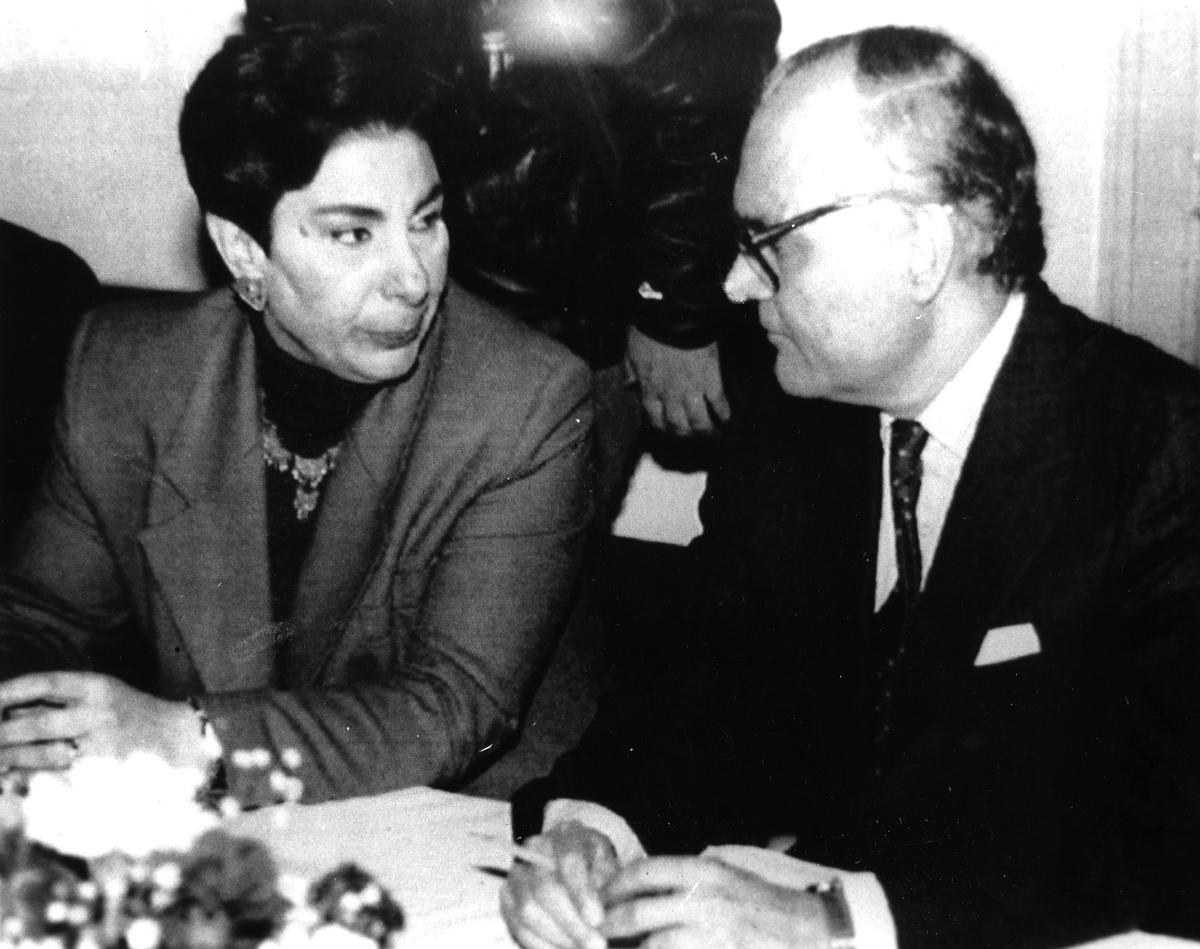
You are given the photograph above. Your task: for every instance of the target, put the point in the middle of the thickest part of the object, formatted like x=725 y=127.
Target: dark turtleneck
x=312 y=410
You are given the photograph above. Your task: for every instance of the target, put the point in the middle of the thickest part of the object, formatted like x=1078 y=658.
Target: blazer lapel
x=206 y=536
x=1008 y=493
x=353 y=521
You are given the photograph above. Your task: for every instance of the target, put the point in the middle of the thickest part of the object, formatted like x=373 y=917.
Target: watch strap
x=837 y=912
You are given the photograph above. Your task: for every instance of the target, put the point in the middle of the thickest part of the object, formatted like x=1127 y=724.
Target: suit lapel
x=206 y=536
x=1008 y=494
x=817 y=530
x=353 y=521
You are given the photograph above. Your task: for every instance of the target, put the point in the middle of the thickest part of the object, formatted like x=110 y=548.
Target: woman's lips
x=395 y=339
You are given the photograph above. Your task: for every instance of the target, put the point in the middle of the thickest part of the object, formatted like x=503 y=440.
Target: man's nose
x=743 y=282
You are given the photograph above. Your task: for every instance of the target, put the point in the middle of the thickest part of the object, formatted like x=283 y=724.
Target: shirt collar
x=954 y=413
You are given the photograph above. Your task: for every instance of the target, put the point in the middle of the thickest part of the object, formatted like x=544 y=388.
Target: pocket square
x=1005 y=643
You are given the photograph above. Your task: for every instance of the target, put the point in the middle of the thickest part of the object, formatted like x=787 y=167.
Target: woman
x=336 y=514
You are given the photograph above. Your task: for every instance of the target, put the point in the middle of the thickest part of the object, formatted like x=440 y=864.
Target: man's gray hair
x=927 y=95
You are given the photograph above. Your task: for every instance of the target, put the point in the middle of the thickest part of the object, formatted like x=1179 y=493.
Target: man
x=961 y=653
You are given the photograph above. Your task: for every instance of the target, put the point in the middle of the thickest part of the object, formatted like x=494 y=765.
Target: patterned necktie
x=894 y=621
x=908 y=438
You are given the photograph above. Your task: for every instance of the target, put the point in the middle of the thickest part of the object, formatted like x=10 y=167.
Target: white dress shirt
x=950 y=419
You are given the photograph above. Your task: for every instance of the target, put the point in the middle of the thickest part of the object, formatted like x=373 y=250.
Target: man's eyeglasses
x=751 y=243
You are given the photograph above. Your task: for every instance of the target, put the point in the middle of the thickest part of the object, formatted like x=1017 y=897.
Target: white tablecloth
x=432 y=850
x=419 y=843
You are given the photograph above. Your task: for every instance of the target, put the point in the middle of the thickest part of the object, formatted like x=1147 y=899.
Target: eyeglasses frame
x=750 y=243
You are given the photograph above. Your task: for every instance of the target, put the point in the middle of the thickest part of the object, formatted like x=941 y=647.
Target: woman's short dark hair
x=261 y=115
x=955 y=121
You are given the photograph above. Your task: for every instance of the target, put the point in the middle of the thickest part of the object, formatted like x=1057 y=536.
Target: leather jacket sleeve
x=697 y=79
x=597 y=193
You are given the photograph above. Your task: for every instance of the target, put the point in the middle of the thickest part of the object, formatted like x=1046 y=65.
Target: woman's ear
x=243 y=255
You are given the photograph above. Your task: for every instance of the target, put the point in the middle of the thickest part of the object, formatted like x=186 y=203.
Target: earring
x=252 y=292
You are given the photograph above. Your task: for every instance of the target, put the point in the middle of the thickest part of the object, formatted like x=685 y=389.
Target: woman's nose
x=407 y=278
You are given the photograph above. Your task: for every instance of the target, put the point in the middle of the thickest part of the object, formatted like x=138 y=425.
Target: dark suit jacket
x=44 y=289
x=446 y=546
x=1033 y=802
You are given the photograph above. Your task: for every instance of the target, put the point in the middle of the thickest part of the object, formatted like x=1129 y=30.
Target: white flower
x=371 y=895
x=133 y=805
x=293 y=888
x=242 y=758
x=294 y=935
x=143 y=934
x=167 y=876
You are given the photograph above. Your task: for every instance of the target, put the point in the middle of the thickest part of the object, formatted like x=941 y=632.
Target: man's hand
x=51 y=718
x=685 y=902
x=682 y=390
x=560 y=908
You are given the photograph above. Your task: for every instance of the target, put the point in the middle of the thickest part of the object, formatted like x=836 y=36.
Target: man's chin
x=795 y=380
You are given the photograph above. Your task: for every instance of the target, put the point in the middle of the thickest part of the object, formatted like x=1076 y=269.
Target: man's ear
x=243 y=255
x=930 y=250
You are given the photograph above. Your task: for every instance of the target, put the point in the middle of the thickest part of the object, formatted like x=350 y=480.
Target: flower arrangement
x=150 y=868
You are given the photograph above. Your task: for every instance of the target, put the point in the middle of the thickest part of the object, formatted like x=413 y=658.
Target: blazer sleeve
x=659 y=751
x=1158 y=574
x=493 y=606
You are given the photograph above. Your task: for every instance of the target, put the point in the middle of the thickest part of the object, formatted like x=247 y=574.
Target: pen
x=517 y=852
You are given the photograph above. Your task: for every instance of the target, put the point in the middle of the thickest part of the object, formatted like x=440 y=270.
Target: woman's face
x=357 y=263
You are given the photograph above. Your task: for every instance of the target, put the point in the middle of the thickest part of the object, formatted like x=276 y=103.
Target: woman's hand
x=560 y=908
x=51 y=718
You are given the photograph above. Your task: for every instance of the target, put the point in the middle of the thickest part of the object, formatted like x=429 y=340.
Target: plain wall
x=89 y=98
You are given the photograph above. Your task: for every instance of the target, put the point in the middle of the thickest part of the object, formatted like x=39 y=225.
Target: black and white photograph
x=569 y=474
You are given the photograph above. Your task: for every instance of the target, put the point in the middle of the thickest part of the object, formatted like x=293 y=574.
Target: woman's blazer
x=445 y=551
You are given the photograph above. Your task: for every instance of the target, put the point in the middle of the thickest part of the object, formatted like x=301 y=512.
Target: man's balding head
x=936 y=115
x=887 y=208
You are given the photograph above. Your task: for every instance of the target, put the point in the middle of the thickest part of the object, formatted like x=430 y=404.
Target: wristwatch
x=837 y=911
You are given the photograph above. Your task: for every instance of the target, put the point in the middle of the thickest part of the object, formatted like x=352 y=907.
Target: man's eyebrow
x=433 y=194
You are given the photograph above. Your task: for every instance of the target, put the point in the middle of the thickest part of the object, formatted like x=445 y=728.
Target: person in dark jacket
x=44 y=288
x=945 y=636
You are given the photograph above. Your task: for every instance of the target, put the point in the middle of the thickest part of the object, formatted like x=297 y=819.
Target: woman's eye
x=351 y=235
